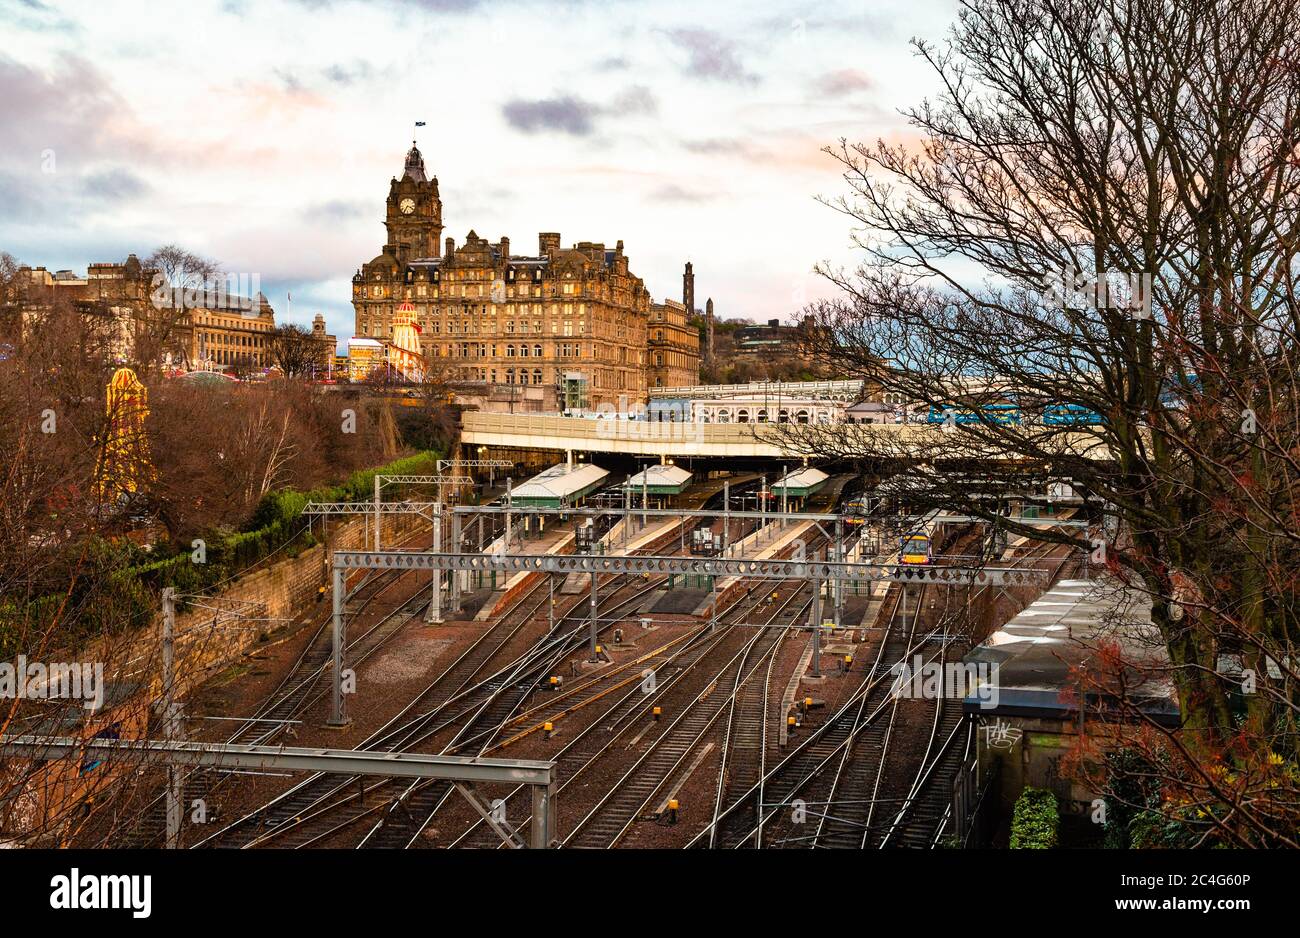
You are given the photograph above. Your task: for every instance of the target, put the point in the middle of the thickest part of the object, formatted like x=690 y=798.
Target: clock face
x=407 y=206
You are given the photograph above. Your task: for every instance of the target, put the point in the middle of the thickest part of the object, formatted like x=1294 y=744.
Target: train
x=857 y=510
x=914 y=549
x=997 y=414
x=1007 y=414
x=1071 y=415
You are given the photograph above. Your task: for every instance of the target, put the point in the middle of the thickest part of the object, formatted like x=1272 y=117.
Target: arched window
x=742 y=416
x=783 y=416
x=762 y=415
x=801 y=416
x=724 y=416
x=537 y=376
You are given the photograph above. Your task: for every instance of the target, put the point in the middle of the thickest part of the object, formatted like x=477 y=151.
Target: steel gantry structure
x=816 y=571
x=462 y=771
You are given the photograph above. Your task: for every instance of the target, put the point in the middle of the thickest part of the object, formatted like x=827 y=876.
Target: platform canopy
x=659 y=480
x=801 y=483
x=560 y=485
x=1070 y=629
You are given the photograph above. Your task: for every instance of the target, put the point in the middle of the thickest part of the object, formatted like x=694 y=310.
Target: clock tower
x=414 y=218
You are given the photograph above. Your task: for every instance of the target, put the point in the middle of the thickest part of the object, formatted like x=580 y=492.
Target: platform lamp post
x=785 y=493
x=171 y=718
x=726 y=517
x=338 y=705
x=594 y=627
x=817 y=628
x=645 y=495
x=435 y=598
x=509 y=513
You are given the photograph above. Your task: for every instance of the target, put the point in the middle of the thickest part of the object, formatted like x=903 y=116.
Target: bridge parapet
x=672 y=439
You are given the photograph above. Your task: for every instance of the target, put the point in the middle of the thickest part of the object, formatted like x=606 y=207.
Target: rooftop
x=561 y=481
x=1073 y=628
x=659 y=475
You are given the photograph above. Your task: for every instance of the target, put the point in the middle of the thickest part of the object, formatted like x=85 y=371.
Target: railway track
x=680 y=682
x=323 y=806
x=843 y=786
x=298 y=690
x=925 y=813
x=609 y=821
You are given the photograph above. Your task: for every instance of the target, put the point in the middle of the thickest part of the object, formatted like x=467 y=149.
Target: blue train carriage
x=1071 y=415
x=914 y=549
x=1001 y=415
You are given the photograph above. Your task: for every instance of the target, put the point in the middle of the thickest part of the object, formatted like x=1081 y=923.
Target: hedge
x=276 y=523
x=1036 y=820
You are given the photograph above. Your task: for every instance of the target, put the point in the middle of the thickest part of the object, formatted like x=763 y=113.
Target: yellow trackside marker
x=657 y=712
x=599 y=649
x=807 y=703
x=789 y=721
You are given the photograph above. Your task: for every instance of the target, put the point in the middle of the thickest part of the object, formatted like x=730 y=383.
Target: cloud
x=69 y=108
x=114 y=185
x=577 y=117
x=17 y=198
x=37 y=17
x=724 y=146
x=566 y=114
x=675 y=193
x=635 y=100
x=336 y=210
x=710 y=56
x=348 y=74
x=428 y=6
x=839 y=83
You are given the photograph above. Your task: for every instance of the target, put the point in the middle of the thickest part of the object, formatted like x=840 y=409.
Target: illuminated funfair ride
x=125 y=469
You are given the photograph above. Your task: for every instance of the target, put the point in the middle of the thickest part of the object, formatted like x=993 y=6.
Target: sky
x=264 y=133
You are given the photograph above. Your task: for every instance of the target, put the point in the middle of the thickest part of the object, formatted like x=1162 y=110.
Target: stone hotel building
x=573 y=319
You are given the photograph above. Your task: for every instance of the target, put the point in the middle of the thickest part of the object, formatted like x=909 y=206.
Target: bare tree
x=1121 y=179
x=294 y=350
x=179 y=280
